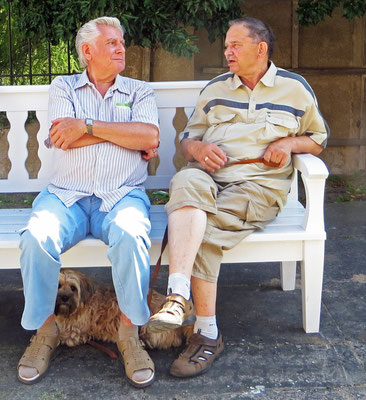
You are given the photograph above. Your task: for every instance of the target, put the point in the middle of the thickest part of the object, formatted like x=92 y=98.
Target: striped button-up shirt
x=243 y=122
x=104 y=169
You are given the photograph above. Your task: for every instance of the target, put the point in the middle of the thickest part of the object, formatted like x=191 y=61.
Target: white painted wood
x=288 y=275
x=312 y=267
x=167 y=146
x=17 y=138
x=297 y=234
x=44 y=153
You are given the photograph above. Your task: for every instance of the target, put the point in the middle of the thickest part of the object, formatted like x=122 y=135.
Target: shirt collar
x=82 y=80
x=235 y=82
x=119 y=83
x=268 y=79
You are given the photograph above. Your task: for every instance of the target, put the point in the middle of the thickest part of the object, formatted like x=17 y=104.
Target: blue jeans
x=53 y=228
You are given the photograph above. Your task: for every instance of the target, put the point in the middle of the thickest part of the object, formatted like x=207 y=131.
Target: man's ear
x=85 y=48
x=262 y=49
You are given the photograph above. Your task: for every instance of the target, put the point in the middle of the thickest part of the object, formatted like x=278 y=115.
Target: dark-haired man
x=254 y=112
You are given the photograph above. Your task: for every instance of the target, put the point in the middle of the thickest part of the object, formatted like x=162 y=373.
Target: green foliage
x=148 y=23
x=158 y=196
x=311 y=12
x=22 y=43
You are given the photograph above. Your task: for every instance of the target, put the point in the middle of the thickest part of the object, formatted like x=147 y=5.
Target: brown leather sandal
x=135 y=358
x=38 y=355
x=175 y=312
x=198 y=356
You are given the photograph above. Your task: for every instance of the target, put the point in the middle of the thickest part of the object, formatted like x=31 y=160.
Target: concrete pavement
x=268 y=355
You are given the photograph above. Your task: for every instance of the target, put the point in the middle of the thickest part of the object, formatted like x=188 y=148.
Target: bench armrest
x=313 y=173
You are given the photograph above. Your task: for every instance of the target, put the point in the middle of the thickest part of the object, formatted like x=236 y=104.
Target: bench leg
x=312 y=268
x=288 y=275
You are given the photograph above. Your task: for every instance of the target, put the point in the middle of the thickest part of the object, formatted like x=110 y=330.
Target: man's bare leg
x=204 y=294
x=187 y=226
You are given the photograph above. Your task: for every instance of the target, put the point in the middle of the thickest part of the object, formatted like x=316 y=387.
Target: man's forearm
x=304 y=144
x=131 y=135
x=280 y=151
x=85 y=140
x=65 y=132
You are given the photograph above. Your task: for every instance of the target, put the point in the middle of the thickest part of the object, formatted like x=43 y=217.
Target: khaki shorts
x=233 y=212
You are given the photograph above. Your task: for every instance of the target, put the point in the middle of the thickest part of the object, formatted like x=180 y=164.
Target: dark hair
x=258 y=31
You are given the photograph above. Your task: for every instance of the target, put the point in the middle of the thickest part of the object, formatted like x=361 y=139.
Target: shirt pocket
x=215 y=118
x=280 y=124
x=122 y=113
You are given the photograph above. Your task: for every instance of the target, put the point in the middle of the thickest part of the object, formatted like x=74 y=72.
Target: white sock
x=207 y=325
x=179 y=284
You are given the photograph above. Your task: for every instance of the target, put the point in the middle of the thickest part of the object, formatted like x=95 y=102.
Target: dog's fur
x=86 y=310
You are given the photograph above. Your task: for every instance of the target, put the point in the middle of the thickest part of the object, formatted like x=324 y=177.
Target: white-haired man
x=104 y=128
x=255 y=113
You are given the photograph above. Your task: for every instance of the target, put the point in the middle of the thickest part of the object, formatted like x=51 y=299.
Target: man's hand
x=65 y=131
x=149 y=154
x=209 y=155
x=279 y=151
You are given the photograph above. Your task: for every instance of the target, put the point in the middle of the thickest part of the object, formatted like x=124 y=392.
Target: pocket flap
x=287 y=121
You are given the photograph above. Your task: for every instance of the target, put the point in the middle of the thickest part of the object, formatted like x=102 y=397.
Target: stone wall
x=331 y=56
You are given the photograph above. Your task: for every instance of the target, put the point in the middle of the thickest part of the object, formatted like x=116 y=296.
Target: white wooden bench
x=297 y=234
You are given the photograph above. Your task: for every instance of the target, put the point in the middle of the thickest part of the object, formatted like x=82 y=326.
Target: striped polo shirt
x=243 y=122
x=104 y=169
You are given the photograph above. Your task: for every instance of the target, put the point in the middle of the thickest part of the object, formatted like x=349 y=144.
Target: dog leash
x=104 y=349
x=157 y=265
x=253 y=161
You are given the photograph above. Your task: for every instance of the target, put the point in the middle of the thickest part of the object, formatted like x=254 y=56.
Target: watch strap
x=89 y=126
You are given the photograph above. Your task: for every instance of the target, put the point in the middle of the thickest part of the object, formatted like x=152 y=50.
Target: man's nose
x=121 y=48
x=227 y=51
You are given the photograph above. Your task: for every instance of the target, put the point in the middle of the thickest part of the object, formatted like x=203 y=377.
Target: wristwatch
x=89 y=126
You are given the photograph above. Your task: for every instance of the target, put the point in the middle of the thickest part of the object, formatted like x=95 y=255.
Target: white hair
x=89 y=32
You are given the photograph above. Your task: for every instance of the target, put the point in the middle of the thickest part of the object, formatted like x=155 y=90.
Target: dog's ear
x=86 y=289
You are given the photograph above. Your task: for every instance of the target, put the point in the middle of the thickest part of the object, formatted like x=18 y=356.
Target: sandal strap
x=38 y=354
x=177 y=305
x=174 y=304
x=134 y=355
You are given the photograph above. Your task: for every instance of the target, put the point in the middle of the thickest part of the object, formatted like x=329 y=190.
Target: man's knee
x=191 y=177
x=130 y=236
x=33 y=244
x=192 y=187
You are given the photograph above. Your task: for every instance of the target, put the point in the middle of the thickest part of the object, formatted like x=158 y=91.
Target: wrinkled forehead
x=238 y=33
x=108 y=32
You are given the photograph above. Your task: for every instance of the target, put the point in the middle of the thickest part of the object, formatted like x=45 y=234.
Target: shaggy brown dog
x=86 y=310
